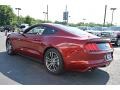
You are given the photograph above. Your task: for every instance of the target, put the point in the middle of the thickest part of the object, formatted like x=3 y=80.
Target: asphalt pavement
x=15 y=70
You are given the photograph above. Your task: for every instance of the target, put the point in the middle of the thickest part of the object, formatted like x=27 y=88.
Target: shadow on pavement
x=25 y=71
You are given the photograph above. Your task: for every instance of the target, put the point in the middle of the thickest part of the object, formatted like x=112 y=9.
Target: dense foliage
x=6 y=15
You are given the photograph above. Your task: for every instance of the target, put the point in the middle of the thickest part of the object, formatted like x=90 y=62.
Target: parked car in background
x=61 y=47
x=2 y=29
x=9 y=28
x=83 y=28
x=95 y=30
x=23 y=27
x=113 y=33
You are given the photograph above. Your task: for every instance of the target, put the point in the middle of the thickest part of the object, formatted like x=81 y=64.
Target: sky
x=90 y=10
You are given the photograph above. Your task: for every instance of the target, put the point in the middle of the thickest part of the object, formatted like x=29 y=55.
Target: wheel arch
x=59 y=50
x=62 y=63
x=53 y=48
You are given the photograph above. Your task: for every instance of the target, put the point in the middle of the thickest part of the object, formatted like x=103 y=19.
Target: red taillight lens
x=98 y=46
x=91 y=47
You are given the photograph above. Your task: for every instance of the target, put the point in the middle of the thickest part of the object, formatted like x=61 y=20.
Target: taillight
x=98 y=46
x=91 y=47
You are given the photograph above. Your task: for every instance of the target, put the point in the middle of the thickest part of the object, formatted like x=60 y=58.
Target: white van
x=23 y=27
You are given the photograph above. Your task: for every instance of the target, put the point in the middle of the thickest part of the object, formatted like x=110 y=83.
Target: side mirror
x=20 y=32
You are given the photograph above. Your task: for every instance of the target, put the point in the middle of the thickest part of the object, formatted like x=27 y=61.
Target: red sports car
x=61 y=47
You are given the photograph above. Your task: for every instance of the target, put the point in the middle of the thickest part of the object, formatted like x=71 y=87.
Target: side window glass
x=37 y=30
x=49 y=31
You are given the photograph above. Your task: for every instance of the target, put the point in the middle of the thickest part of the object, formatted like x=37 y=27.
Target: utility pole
x=18 y=9
x=46 y=14
x=65 y=15
x=113 y=9
x=105 y=15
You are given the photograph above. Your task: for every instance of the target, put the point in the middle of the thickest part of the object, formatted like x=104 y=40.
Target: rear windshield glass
x=73 y=30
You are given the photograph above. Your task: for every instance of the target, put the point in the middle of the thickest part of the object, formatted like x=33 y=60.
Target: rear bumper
x=87 y=65
x=81 y=59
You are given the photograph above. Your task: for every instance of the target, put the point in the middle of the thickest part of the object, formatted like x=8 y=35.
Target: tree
x=28 y=20
x=6 y=15
x=21 y=19
x=37 y=21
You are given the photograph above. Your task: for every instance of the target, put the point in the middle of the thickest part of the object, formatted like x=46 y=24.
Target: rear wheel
x=118 y=42
x=9 y=48
x=53 y=61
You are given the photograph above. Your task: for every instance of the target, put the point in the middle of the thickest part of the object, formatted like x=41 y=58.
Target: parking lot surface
x=21 y=70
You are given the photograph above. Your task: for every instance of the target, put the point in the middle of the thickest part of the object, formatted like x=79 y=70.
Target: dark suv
x=113 y=33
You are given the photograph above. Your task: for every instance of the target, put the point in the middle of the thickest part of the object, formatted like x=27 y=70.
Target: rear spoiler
x=99 y=40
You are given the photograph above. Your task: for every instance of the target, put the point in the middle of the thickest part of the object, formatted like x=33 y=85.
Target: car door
x=31 y=42
x=37 y=39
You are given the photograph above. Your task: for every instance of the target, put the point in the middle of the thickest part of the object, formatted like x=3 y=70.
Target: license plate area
x=104 y=46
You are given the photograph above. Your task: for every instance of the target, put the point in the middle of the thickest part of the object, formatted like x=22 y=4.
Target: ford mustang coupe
x=61 y=47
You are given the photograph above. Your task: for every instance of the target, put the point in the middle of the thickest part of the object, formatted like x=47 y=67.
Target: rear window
x=73 y=30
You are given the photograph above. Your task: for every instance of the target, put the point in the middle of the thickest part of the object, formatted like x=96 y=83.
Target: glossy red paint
x=80 y=53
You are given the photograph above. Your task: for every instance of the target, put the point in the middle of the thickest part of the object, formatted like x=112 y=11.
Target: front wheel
x=9 y=48
x=53 y=61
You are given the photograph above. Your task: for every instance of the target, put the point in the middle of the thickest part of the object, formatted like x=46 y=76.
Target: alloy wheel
x=52 y=61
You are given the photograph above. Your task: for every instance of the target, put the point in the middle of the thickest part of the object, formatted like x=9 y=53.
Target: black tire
x=9 y=48
x=117 y=42
x=53 y=61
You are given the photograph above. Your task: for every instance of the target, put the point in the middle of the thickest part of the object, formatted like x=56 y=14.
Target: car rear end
x=90 y=55
x=82 y=51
